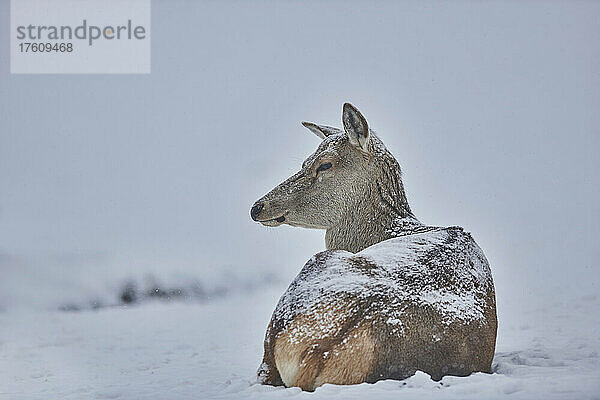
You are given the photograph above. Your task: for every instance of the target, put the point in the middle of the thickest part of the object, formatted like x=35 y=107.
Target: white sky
x=491 y=110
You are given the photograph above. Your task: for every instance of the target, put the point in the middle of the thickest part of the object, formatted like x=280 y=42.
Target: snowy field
x=211 y=349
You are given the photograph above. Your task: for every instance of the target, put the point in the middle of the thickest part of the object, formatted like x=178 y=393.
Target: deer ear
x=355 y=126
x=321 y=131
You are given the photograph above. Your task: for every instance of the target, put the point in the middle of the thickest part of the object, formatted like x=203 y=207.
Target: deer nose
x=255 y=210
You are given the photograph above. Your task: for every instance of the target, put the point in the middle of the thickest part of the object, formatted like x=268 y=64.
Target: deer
x=390 y=296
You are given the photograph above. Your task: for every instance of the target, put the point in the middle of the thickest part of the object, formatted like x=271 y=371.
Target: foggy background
x=491 y=110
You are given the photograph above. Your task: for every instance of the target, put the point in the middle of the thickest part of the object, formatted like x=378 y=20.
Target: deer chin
x=274 y=221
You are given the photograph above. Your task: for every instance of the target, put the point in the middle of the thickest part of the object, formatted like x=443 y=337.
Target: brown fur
x=329 y=351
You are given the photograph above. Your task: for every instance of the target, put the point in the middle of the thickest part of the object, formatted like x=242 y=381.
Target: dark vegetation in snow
x=132 y=292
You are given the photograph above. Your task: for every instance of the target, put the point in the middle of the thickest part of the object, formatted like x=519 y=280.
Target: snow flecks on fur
x=440 y=267
x=408 y=226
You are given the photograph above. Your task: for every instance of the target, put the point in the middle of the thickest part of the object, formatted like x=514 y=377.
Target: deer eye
x=323 y=167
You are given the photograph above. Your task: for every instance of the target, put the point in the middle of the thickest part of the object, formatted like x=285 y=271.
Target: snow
x=191 y=350
x=403 y=252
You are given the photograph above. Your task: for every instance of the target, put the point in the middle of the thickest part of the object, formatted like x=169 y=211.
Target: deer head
x=349 y=182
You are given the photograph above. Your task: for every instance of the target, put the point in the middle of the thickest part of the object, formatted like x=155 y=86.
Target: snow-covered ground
x=198 y=350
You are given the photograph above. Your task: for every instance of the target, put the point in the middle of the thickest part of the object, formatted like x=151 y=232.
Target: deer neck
x=370 y=221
